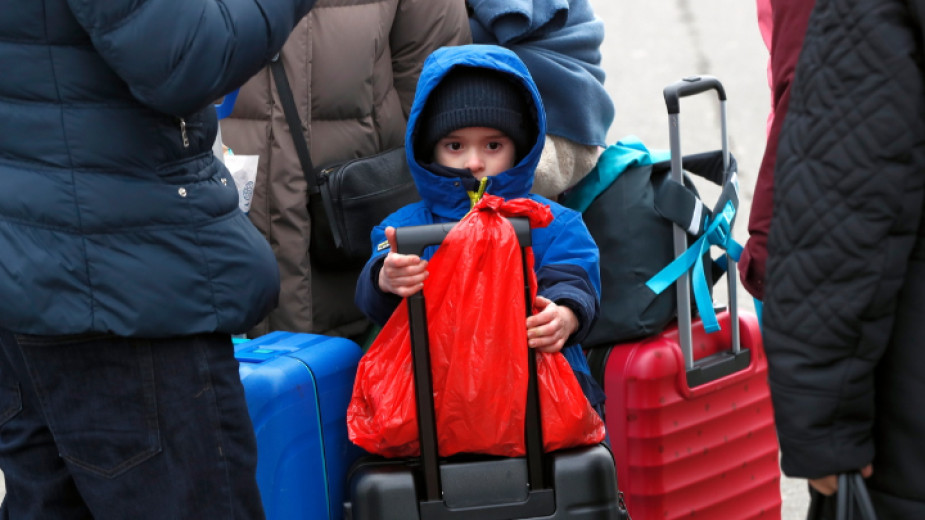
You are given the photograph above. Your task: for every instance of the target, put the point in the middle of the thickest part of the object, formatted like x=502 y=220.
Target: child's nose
x=474 y=162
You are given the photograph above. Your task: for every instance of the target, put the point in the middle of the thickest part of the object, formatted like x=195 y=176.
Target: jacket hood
x=446 y=196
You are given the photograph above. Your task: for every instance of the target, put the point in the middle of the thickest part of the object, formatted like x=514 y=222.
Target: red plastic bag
x=478 y=347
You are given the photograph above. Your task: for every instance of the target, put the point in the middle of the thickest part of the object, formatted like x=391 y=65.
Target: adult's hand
x=828 y=485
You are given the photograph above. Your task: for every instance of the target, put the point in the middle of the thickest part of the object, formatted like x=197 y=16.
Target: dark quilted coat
x=845 y=295
x=114 y=215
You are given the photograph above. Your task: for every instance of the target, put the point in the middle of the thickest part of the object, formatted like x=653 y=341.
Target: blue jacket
x=559 y=41
x=566 y=257
x=115 y=217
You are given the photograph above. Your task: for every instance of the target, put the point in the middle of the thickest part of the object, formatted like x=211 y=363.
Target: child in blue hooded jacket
x=477 y=126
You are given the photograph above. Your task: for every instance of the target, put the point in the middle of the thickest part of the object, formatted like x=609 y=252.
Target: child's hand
x=403 y=275
x=551 y=326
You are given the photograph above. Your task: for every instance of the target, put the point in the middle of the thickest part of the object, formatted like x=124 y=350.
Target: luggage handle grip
x=716 y=366
x=412 y=240
x=720 y=369
x=690 y=86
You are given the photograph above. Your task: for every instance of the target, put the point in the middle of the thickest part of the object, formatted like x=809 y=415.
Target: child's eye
x=454 y=146
x=494 y=145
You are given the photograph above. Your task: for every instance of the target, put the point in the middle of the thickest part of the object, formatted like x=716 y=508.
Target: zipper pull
x=475 y=196
x=183 y=133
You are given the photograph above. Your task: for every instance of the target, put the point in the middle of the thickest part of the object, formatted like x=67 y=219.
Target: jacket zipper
x=183 y=134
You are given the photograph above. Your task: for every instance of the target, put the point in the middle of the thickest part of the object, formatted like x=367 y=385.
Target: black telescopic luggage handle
x=724 y=363
x=540 y=501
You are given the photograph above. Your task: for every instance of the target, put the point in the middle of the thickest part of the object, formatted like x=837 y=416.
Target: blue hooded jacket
x=566 y=257
x=115 y=217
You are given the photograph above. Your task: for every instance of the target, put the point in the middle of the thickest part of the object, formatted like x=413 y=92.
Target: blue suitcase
x=297 y=388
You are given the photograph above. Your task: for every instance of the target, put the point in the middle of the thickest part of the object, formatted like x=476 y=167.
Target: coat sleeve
x=508 y=21
x=847 y=204
x=177 y=56
x=568 y=273
x=421 y=27
x=789 y=22
x=560 y=43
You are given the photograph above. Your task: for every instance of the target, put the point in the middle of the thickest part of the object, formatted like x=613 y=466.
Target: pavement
x=649 y=45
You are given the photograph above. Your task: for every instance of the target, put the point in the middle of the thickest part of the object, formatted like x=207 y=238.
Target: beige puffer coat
x=353 y=66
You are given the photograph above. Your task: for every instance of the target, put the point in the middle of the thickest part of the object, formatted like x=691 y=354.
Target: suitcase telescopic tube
x=732 y=268
x=680 y=245
x=424 y=396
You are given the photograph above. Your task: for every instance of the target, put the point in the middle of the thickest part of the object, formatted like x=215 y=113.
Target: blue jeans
x=105 y=427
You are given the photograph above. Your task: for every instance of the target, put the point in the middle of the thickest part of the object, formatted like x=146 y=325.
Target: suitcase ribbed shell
x=707 y=452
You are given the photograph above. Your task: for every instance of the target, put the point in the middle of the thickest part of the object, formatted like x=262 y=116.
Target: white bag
x=243 y=170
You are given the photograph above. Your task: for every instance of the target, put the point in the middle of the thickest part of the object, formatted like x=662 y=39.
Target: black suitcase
x=578 y=483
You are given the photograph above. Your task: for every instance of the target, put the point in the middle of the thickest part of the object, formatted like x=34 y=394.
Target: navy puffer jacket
x=114 y=215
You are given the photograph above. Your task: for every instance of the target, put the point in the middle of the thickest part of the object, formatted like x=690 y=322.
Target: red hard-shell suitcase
x=689 y=412
x=709 y=451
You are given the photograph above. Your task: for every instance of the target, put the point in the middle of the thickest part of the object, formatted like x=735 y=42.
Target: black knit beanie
x=469 y=96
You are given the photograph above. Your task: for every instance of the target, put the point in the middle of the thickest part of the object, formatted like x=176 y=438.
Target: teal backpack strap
x=718 y=233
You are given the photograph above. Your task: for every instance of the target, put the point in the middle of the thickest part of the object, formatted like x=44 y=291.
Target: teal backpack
x=629 y=204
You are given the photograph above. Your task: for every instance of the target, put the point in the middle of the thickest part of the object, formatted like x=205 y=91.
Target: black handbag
x=347 y=200
x=850 y=502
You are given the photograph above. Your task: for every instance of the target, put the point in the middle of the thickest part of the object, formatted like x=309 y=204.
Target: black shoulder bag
x=347 y=200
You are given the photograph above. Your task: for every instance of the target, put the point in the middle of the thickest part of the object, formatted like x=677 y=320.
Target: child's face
x=484 y=151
